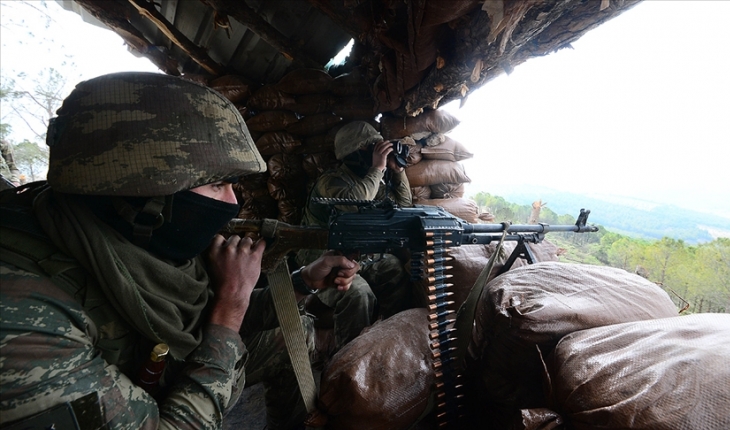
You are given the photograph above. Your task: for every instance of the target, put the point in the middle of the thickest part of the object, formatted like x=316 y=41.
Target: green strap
x=285 y=302
x=465 y=315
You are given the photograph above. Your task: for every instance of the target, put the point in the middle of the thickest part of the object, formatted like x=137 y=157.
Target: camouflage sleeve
x=48 y=358
x=365 y=188
x=401 y=190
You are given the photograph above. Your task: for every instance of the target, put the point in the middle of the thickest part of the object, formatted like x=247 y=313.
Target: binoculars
x=400 y=153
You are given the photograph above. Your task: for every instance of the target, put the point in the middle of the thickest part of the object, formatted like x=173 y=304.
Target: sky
x=638 y=108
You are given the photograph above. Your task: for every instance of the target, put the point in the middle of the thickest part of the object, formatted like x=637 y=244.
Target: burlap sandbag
x=463 y=208
x=312 y=104
x=383 y=378
x=282 y=166
x=447 y=191
x=305 y=81
x=274 y=142
x=435 y=121
x=235 y=88
x=420 y=194
x=316 y=164
x=432 y=172
x=271 y=120
x=534 y=306
x=469 y=260
x=449 y=149
x=269 y=97
x=671 y=373
x=313 y=124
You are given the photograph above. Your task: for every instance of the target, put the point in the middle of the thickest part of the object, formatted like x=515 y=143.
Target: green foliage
x=31 y=159
x=696 y=276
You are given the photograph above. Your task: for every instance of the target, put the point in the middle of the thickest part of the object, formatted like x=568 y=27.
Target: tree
x=32 y=158
x=35 y=107
x=7 y=96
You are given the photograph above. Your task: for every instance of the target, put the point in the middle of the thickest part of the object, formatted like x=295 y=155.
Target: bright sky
x=638 y=108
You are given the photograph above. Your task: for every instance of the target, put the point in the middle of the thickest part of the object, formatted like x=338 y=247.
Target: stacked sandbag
x=434 y=170
x=293 y=123
x=523 y=313
x=671 y=373
x=469 y=260
x=383 y=378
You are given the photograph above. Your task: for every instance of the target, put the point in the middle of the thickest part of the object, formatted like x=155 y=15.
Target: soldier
x=9 y=173
x=102 y=265
x=367 y=172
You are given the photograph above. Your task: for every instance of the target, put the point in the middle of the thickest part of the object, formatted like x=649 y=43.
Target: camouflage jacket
x=53 y=352
x=343 y=183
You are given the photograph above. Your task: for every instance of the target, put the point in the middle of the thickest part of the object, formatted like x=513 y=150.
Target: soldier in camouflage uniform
x=102 y=263
x=367 y=172
x=9 y=173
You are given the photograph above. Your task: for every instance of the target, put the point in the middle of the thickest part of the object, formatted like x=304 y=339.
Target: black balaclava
x=190 y=225
x=360 y=161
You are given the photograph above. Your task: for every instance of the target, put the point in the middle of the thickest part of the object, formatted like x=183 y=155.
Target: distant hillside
x=628 y=216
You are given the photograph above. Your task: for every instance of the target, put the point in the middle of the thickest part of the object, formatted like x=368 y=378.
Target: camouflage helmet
x=353 y=136
x=146 y=134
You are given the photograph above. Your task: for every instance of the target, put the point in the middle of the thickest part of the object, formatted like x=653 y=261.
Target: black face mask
x=195 y=220
x=359 y=161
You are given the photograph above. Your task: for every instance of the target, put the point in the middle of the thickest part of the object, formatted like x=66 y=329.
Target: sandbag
x=420 y=194
x=274 y=142
x=235 y=88
x=269 y=97
x=271 y=120
x=435 y=121
x=449 y=149
x=671 y=373
x=284 y=165
x=447 y=191
x=465 y=209
x=534 y=306
x=288 y=188
x=316 y=164
x=469 y=260
x=313 y=124
x=355 y=108
x=312 y=104
x=305 y=81
x=290 y=211
x=432 y=172
x=382 y=379
x=350 y=84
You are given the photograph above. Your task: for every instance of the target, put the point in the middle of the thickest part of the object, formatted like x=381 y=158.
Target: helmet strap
x=145 y=220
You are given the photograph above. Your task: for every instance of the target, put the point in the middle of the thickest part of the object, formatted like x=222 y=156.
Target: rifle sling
x=465 y=315
x=282 y=292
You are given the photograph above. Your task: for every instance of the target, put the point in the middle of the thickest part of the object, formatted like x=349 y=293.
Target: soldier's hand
x=234 y=266
x=330 y=270
x=380 y=154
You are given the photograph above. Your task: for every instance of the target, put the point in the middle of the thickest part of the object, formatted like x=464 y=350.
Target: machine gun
x=380 y=227
x=428 y=232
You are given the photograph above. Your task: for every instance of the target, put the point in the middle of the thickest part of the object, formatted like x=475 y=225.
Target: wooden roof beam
x=196 y=53
x=248 y=17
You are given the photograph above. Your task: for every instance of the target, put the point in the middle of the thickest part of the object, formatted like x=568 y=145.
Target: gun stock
x=281 y=238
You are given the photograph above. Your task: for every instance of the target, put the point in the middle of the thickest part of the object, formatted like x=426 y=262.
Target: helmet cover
x=146 y=134
x=353 y=136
